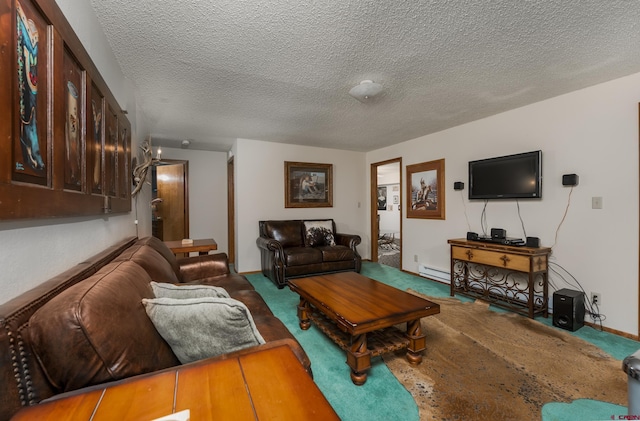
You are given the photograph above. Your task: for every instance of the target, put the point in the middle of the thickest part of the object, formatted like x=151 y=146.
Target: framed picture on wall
x=382 y=198
x=31 y=102
x=425 y=190
x=308 y=185
x=74 y=108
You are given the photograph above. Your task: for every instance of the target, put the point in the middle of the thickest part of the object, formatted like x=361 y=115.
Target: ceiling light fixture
x=185 y=144
x=366 y=90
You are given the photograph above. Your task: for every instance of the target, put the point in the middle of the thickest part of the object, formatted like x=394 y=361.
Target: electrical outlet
x=415 y=258
x=595 y=298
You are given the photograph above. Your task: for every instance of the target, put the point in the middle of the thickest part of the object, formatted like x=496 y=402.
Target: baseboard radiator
x=434 y=273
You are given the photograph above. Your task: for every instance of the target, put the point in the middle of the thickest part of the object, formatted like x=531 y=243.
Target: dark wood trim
x=231 y=217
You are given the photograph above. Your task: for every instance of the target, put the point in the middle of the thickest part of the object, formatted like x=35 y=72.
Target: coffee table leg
x=359 y=359
x=303 y=314
x=417 y=342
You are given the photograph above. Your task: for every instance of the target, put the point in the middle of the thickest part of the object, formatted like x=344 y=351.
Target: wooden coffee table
x=359 y=315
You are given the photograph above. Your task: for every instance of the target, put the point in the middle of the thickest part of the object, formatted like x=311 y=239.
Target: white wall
x=593 y=133
x=207 y=193
x=259 y=181
x=35 y=250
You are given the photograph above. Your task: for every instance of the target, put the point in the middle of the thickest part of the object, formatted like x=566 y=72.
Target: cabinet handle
x=505 y=260
x=469 y=255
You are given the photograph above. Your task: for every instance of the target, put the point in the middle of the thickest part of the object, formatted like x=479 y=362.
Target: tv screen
x=516 y=176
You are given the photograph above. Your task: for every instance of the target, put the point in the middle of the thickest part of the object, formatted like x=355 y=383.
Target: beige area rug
x=481 y=365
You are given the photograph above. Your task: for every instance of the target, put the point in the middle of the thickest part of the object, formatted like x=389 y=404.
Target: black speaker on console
x=533 y=242
x=472 y=235
x=498 y=233
x=568 y=309
x=570 y=180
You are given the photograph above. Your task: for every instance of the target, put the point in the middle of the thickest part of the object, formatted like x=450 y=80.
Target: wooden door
x=172 y=189
x=231 y=226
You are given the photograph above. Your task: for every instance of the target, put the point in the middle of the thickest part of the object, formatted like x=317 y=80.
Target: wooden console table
x=203 y=246
x=515 y=278
x=262 y=385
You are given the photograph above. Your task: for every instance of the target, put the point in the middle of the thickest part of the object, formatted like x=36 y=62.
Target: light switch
x=596 y=202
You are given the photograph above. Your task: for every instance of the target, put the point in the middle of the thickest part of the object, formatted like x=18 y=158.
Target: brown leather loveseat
x=88 y=325
x=294 y=248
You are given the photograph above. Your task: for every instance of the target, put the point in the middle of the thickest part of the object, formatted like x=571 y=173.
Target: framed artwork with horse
x=425 y=190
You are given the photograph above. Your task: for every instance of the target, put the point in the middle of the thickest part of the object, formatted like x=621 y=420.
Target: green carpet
x=382 y=397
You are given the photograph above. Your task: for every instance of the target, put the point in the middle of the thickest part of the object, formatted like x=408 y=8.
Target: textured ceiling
x=281 y=70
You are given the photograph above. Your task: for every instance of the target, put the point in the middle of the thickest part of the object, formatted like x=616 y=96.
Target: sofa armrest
x=348 y=240
x=205 y=266
x=269 y=244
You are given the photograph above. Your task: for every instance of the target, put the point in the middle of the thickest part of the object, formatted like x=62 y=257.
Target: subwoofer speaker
x=568 y=309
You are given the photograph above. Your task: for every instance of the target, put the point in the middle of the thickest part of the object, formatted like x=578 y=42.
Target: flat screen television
x=516 y=176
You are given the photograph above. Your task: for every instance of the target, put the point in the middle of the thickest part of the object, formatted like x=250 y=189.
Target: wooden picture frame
x=425 y=190
x=308 y=185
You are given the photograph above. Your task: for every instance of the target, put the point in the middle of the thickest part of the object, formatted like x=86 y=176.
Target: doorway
x=170 y=200
x=386 y=212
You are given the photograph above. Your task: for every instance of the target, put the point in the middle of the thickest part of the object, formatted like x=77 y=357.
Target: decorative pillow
x=318 y=233
x=162 y=290
x=199 y=328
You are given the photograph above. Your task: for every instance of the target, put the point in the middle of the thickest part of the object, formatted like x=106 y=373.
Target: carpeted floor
x=383 y=397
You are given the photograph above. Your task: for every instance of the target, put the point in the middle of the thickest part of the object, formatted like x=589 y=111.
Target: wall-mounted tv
x=516 y=176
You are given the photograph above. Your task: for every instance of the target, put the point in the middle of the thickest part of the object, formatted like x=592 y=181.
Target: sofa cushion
x=256 y=305
x=298 y=256
x=161 y=290
x=319 y=233
x=336 y=253
x=158 y=268
x=288 y=233
x=198 y=328
x=98 y=330
x=159 y=246
x=230 y=282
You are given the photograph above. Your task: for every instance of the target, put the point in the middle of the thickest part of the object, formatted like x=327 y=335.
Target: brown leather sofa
x=288 y=251
x=88 y=326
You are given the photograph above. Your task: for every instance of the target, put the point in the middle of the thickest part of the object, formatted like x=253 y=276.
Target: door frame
x=374 y=206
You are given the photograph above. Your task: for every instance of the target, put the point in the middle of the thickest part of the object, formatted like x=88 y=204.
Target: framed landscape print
x=308 y=185
x=425 y=190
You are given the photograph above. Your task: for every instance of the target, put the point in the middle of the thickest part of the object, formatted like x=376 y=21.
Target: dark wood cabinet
x=65 y=144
